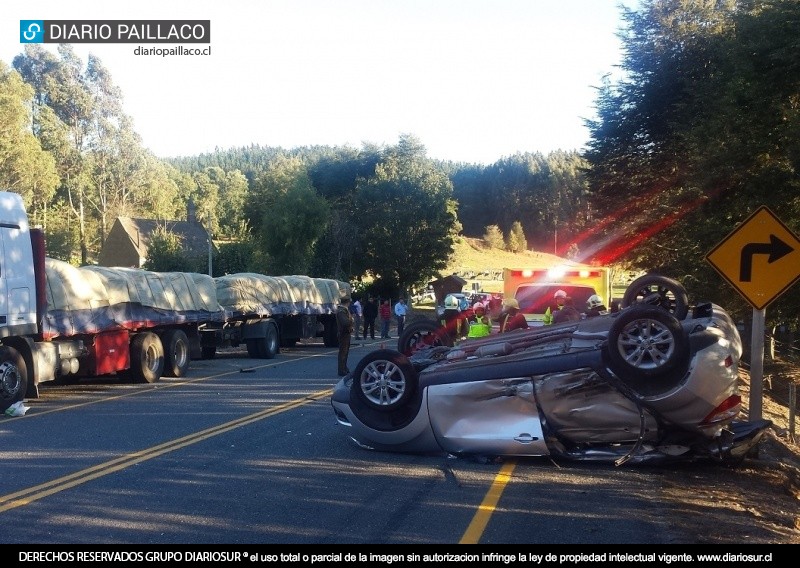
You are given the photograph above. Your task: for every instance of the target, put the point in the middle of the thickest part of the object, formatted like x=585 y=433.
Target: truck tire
x=264 y=347
x=269 y=346
x=13 y=377
x=147 y=358
x=176 y=353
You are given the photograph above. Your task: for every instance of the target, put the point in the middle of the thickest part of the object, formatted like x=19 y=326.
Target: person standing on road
x=385 y=312
x=358 y=316
x=511 y=318
x=344 y=327
x=370 y=313
x=568 y=312
x=452 y=318
x=595 y=307
x=549 y=314
x=400 y=312
x=479 y=323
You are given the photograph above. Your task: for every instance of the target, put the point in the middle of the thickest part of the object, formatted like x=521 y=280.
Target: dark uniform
x=344 y=326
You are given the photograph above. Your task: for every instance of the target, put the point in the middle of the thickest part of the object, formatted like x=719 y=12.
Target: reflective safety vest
x=548 y=315
x=479 y=327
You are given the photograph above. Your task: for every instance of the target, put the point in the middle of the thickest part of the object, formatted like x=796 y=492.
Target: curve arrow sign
x=776 y=249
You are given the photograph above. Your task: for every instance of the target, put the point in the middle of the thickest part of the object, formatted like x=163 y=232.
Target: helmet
x=478 y=306
x=560 y=294
x=511 y=303
x=594 y=301
x=451 y=302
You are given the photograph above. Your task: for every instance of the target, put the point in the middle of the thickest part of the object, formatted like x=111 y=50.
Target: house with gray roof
x=129 y=238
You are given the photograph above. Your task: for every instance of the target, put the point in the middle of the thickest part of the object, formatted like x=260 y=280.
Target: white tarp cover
x=91 y=299
x=248 y=293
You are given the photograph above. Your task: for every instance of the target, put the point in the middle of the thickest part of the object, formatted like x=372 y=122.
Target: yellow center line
x=31 y=494
x=161 y=385
x=475 y=529
x=25 y=496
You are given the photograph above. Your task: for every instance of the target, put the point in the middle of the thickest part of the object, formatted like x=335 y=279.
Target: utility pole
x=210 y=244
x=555 y=237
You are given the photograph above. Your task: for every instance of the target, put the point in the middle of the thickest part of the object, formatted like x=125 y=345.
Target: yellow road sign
x=760 y=258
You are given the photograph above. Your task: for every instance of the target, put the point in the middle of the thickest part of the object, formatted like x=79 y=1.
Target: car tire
x=422 y=334
x=657 y=290
x=384 y=380
x=648 y=349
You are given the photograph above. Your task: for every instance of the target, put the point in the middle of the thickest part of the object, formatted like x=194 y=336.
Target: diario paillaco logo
x=115 y=31
x=31 y=31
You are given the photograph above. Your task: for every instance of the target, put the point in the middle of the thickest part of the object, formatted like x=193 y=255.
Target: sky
x=473 y=80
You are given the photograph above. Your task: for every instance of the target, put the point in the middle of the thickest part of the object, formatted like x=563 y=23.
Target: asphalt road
x=244 y=452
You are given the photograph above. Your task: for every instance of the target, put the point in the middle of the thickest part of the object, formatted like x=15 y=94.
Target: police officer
x=344 y=327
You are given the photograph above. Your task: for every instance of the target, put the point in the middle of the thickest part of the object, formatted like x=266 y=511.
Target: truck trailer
x=59 y=322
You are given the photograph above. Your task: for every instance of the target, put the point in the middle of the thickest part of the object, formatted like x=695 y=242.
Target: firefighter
x=560 y=297
x=452 y=318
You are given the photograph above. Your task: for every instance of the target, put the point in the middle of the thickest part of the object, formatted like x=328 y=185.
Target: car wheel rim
x=646 y=344
x=383 y=383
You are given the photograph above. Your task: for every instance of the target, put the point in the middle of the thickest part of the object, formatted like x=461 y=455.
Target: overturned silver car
x=657 y=381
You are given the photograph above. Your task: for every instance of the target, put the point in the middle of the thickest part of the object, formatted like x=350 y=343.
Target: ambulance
x=534 y=287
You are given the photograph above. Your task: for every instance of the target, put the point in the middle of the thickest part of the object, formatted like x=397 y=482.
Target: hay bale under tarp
x=92 y=299
x=249 y=293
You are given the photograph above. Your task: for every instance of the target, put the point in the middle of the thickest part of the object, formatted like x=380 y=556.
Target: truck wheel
x=269 y=345
x=264 y=347
x=176 y=353
x=13 y=377
x=147 y=358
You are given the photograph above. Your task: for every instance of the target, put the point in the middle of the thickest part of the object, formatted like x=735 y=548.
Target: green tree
x=24 y=166
x=408 y=219
x=60 y=84
x=493 y=237
x=700 y=131
x=165 y=253
x=516 y=241
x=293 y=216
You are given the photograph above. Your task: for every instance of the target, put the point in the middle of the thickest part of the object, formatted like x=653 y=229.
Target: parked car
x=657 y=381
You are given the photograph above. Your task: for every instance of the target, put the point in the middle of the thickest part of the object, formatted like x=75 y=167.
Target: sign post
x=761 y=259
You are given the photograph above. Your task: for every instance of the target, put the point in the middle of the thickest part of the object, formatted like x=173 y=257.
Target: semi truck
x=59 y=322
x=265 y=313
x=534 y=287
